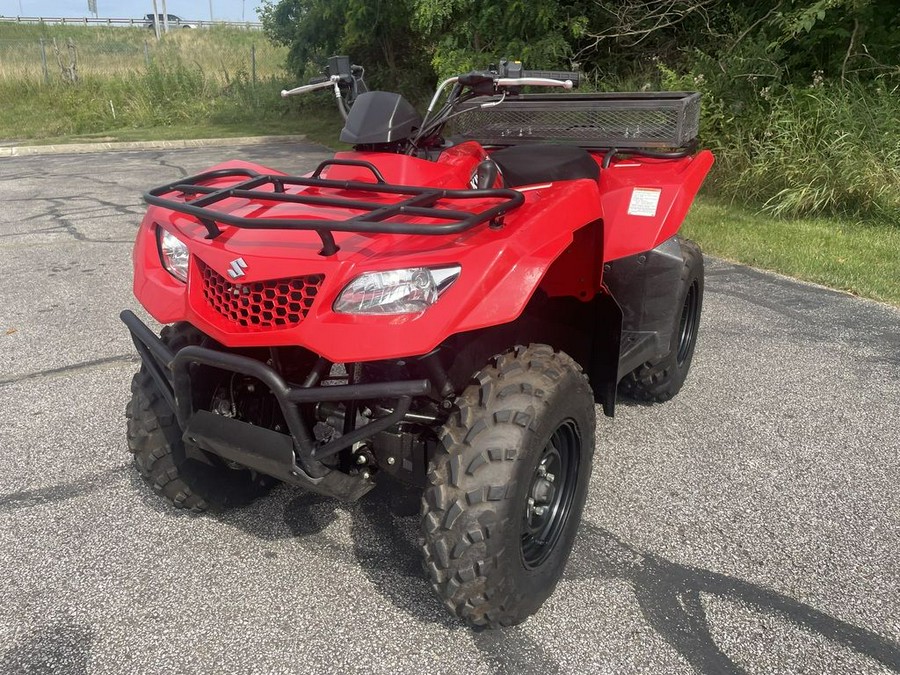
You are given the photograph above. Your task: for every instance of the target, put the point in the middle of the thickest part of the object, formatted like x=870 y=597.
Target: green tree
x=374 y=33
x=466 y=34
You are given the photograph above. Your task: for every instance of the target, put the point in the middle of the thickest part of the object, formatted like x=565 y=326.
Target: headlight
x=408 y=291
x=173 y=253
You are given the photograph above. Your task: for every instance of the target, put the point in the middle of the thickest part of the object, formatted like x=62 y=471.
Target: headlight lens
x=407 y=291
x=173 y=253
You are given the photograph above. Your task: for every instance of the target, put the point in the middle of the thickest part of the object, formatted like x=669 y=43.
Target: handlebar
x=476 y=79
x=575 y=78
x=324 y=84
x=493 y=84
x=533 y=82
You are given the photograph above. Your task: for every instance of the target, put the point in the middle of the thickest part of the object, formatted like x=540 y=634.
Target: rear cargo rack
x=635 y=120
x=252 y=185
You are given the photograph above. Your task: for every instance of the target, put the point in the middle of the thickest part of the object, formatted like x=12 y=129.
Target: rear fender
x=645 y=201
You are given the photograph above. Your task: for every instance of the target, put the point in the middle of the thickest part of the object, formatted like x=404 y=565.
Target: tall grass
x=155 y=98
x=824 y=148
x=827 y=149
x=218 y=52
x=190 y=77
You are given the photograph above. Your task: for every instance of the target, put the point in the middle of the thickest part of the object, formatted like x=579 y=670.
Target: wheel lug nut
x=540 y=510
x=550 y=477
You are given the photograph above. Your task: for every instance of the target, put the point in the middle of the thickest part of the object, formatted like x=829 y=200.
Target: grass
x=862 y=258
x=130 y=84
x=220 y=53
x=192 y=84
x=824 y=150
x=316 y=127
x=161 y=103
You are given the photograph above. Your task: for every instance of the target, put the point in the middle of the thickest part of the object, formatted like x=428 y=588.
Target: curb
x=118 y=146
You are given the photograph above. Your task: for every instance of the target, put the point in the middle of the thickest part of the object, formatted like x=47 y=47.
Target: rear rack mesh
x=597 y=121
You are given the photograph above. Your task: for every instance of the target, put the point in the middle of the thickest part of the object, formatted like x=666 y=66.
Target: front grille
x=276 y=303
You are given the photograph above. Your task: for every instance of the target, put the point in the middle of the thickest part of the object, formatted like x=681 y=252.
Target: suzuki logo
x=237 y=268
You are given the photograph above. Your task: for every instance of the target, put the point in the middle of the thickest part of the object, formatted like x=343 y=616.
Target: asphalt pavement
x=752 y=524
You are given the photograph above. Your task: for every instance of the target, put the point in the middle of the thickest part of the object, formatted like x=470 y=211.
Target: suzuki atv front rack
x=193 y=196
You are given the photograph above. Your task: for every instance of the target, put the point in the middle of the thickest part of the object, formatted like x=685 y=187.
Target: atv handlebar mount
x=494 y=84
x=341 y=75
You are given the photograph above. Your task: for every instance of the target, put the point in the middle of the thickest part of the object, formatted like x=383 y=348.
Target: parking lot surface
x=752 y=524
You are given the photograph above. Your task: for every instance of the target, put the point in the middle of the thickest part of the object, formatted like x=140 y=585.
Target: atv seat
x=543 y=163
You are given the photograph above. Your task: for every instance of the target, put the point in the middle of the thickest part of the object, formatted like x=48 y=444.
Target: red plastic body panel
x=558 y=239
x=677 y=180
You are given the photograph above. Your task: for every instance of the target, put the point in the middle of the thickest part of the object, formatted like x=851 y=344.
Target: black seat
x=544 y=163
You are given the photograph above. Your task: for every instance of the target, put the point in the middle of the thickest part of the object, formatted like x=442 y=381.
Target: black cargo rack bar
x=420 y=202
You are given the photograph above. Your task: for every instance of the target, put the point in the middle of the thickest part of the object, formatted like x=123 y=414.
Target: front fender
x=521 y=265
x=501 y=269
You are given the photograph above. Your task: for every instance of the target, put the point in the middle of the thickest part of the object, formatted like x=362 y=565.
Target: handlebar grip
x=475 y=78
x=554 y=75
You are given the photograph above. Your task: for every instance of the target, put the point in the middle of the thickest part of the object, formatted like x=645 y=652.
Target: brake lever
x=533 y=82
x=332 y=81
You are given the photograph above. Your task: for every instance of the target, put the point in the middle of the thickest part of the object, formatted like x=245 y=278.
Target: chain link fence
x=122 y=52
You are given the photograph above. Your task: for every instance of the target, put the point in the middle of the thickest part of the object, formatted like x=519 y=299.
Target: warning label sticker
x=644 y=201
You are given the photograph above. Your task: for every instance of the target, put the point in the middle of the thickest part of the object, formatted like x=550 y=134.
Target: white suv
x=174 y=22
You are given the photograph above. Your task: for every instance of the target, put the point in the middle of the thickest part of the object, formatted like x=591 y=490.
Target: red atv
x=443 y=306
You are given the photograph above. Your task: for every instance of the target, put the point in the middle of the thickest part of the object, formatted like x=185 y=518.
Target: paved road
x=749 y=525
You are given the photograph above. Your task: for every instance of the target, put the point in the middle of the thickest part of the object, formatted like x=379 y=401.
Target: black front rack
x=420 y=201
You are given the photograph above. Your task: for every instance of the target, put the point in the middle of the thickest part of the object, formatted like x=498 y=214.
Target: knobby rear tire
x=660 y=380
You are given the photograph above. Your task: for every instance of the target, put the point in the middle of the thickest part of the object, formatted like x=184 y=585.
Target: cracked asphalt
x=750 y=525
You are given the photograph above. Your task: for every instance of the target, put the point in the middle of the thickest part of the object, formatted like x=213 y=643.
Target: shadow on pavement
x=51 y=648
x=669 y=597
x=384 y=529
x=667 y=593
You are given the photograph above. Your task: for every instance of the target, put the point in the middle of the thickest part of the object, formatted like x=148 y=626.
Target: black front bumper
x=295 y=457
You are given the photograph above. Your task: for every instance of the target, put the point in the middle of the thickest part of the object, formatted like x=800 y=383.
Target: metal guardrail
x=84 y=21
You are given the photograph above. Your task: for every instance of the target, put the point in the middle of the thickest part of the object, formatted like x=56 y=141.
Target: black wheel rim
x=551 y=493
x=687 y=329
